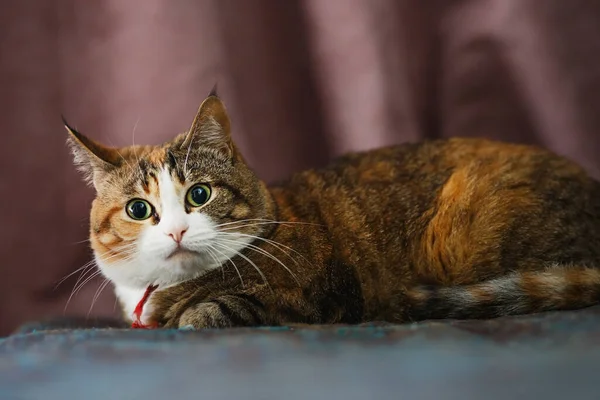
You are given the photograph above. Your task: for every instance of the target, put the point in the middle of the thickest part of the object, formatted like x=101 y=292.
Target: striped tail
x=555 y=288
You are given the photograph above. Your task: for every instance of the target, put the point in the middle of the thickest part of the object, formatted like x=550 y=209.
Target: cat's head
x=165 y=214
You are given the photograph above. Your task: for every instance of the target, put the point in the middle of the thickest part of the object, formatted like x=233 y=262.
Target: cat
x=458 y=228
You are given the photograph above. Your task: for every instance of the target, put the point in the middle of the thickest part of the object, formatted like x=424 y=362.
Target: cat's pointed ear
x=90 y=157
x=211 y=128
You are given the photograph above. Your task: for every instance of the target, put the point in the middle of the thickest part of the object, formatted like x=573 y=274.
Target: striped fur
x=558 y=287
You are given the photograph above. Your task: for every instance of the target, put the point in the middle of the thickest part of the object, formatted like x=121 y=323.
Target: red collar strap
x=137 y=323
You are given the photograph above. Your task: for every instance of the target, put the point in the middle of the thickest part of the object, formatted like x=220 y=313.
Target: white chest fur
x=130 y=299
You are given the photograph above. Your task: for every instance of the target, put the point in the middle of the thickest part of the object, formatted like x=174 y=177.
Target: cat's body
x=461 y=228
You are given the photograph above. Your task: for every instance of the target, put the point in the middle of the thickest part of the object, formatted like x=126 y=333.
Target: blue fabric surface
x=548 y=356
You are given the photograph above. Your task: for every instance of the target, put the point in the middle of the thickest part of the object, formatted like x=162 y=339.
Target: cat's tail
x=554 y=288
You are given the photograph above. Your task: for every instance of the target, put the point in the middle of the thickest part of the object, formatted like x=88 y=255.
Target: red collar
x=137 y=323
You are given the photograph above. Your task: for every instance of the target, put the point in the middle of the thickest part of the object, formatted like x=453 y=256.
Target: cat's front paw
x=223 y=312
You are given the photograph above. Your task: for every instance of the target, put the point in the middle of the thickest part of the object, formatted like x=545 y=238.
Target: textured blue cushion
x=546 y=356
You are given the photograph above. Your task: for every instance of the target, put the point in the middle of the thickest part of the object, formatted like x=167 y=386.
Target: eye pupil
x=198 y=195
x=138 y=209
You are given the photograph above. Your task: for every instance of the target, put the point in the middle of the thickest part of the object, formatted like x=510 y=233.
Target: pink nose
x=177 y=234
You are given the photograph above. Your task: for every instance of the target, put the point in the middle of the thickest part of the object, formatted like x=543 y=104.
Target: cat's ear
x=211 y=128
x=90 y=157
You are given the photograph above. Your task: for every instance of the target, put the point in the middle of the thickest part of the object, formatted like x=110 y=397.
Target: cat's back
x=411 y=176
x=463 y=201
x=428 y=161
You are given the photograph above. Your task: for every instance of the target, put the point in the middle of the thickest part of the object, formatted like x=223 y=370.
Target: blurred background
x=304 y=80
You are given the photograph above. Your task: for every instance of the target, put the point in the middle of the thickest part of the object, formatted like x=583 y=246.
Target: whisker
x=137 y=159
x=187 y=155
x=266 y=282
x=101 y=287
x=274 y=243
x=89 y=268
x=125 y=250
x=232 y=263
x=267 y=254
x=112 y=185
x=215 y=259
x=76 y=289
x=85 y=276
x=260 y=224
x=84 y=267
x=133 y=131
x=123 y=158
x=242 y=220
x=120 y=155
x=261 y=221
x=81 y=241
x=85 y=281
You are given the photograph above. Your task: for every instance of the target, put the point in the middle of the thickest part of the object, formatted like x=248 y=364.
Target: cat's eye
x=139 y=209
x=198 y=195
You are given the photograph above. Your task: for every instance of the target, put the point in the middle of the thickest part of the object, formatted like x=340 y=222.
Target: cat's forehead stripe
x=152 y=183
x=158 y=160
x=151 y=165
x=173 y=167
x=171 y=161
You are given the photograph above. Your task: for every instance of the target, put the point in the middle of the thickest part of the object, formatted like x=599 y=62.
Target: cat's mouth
x=182 y=252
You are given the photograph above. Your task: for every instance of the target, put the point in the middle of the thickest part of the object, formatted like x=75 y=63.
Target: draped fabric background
x=304 y=81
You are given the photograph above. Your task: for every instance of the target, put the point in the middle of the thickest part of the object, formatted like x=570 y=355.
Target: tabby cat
x=459 y=228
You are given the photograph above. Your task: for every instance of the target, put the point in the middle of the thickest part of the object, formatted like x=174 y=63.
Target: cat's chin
x=183 y=254
x=179 y=266
x=163 y=282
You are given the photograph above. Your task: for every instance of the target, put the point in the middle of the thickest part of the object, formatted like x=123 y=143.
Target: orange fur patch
x=472 y=211
x=445 y=242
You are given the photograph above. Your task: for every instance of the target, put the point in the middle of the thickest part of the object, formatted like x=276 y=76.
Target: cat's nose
x=177 y=233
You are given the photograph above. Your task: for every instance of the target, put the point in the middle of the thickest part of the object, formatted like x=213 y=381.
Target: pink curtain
x=304 y=81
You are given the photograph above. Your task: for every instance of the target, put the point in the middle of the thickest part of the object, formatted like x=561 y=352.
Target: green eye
x=198 y=195
x=139 y=209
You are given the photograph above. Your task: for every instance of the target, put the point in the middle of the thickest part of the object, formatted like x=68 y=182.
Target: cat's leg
x=263 y=308
x=247 y=308
x=332 y=295
x=233 y=310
